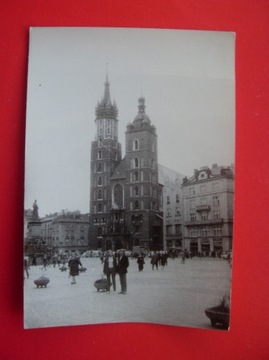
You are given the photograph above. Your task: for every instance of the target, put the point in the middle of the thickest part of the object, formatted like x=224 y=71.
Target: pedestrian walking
x=45 y=262
x=54 y=260
x=183 y=257
x=34 y=260
x=73 y=265
x=163 y=260
x=26 y=266
x=154 y=261
x=122 y=265
x=140 y=262
x=110 y=268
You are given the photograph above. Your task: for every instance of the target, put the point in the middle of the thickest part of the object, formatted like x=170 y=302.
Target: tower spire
x=105 y=108
x=106 y=98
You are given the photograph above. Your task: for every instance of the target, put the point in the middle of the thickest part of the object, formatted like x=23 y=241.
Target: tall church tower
x=142 y=189
x=105 y=156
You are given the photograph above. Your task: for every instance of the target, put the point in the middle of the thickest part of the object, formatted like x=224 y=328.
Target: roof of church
x=120 y=171
x=105 y=108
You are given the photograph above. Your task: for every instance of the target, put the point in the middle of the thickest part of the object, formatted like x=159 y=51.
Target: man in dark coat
x=123 y=263
x=110 y=268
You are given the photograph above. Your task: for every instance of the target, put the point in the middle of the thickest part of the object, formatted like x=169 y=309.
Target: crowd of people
x=113 y=263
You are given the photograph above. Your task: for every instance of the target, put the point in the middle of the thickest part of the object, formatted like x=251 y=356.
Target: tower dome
x=141 y=117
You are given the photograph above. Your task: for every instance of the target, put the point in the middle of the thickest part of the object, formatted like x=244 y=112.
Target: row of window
x=136 y=163
x=169 y=212
x=205 y=231
x=100 y=154
x=134 y=191
x=139 y=191
x=139 y=177
x=67 y=230
x=203 y=189
x=173 y=231
x=67 y=238
x=168 y=199
x=205 y=201
x=134 y=177
x=136 y=145
x=139 y=163
x=134 y=205
x=203 y=215
x=105 y=125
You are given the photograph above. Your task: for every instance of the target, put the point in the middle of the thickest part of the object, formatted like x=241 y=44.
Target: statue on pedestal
x=35 y=211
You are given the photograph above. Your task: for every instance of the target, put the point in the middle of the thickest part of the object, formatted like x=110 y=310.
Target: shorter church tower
x=142 y=189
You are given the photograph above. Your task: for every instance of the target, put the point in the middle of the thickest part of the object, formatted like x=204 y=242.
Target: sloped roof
x=120 y=171
x=169 y=175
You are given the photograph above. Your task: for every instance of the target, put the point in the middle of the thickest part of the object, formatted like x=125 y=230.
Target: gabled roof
x=167 y=175
x=120 y=171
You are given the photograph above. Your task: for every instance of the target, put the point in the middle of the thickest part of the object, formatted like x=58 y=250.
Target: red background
x=248 y=337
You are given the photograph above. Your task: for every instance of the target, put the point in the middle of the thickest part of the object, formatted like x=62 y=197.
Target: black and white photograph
x=129 y=177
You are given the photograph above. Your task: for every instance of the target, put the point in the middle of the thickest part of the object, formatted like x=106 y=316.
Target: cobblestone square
x=176 y=295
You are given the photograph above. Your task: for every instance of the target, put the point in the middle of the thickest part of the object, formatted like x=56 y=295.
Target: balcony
x=202 y=208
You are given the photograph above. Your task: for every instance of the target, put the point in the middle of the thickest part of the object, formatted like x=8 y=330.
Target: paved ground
x=176 y=295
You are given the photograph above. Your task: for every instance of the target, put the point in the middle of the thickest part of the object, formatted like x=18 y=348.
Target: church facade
x=125 y=194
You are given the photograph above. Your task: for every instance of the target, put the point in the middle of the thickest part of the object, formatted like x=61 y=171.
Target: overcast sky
x=186 y=77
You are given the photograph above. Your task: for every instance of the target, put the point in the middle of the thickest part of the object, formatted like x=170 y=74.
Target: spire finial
x=107 y=72
x=106 y=98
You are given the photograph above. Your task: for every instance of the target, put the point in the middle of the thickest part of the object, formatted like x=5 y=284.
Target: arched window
x=99 y=232
x=136 y=163
x=136 y=191
x=99 y=207
x=99 y=194
x=136 y=176
x=136 y=145
x=118 y=195
x=136 y=205
x=99 y=167
x=99 y=180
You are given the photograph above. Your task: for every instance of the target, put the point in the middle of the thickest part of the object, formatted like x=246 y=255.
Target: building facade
x=125 y=193
x=67 y=231
x=56 y=233
x=208 y=210
x=172 y=209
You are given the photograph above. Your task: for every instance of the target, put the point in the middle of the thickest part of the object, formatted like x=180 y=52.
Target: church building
x=125 y=194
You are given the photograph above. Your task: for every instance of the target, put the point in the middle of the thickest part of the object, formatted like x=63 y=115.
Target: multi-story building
x=66 y=231
x=172 y=209
x=125 y=193
x=58 y=232
x=208 y=210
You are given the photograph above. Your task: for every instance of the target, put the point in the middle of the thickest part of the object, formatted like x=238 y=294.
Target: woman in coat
x=140 y=262
x=73 y=265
